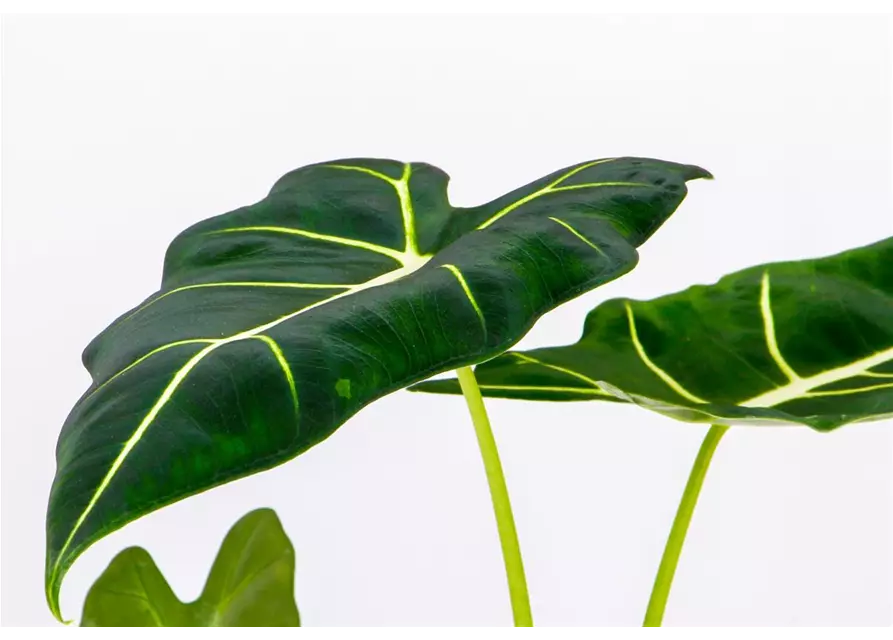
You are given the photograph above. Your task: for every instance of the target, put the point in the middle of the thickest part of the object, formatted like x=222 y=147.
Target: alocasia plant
x=808 y=342
x=250 y=585
x=276 y=322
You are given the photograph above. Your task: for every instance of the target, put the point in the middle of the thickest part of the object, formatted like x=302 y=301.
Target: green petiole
x=502 y=507
x=661 y=591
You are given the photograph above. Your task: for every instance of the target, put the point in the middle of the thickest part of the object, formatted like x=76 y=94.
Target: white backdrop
x=120 y=132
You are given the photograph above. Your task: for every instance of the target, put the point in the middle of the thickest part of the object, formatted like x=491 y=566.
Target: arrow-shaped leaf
x=278 y=321
x=808 y=342
x=250 y=585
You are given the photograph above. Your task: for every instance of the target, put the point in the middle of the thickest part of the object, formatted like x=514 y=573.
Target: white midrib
x=801 y=387
x=797 y=387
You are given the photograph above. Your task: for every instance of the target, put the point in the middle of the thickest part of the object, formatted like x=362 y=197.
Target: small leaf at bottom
x=251 y=584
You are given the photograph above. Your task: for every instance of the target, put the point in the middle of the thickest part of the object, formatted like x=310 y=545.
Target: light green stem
x=502 y=507
x=664 y=580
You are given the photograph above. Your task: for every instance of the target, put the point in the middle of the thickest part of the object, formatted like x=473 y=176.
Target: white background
x=120 y=132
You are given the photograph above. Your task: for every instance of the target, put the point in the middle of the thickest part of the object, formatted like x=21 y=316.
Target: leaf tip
x=695 y=172
x=262 y=514
x=51 y=590
x=53 y=603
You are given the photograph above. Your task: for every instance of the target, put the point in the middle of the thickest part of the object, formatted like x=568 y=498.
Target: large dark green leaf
x=250 y=585
x=278 y=321
x=807 y=342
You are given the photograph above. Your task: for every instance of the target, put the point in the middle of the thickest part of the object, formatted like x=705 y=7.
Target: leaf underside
x=251 y=584
x=807 y=342
x=278 y=321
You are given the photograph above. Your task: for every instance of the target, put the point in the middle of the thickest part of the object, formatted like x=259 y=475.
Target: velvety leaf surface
x=807 y=342
x=251 y=584
x=278 y=321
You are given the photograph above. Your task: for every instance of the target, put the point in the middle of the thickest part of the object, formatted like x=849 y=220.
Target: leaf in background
x=277 y=322
x=808 y=342
x=251 y=585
